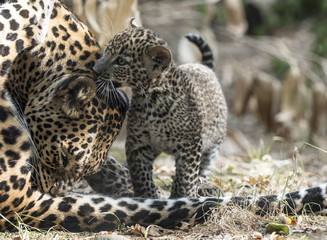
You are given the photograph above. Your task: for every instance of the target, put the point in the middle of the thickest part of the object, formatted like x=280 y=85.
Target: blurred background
x=270 y=59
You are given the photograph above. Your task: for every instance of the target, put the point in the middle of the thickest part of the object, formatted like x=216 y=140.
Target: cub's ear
x=157 y=60
x=74 y=93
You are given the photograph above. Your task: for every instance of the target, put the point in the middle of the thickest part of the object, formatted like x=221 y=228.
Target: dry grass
x=268 y=175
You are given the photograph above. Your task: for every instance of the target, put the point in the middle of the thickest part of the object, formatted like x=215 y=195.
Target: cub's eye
x=121 y=61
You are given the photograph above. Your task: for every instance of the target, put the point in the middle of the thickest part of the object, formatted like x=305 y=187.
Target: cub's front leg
x=188 y=160
x=140 y=160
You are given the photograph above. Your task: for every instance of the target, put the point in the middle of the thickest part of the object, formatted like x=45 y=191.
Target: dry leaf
x=217 y=182
x=256 y=235
x=252 y=180
x=293 y=221
x=274 y=236
x=138 y=229
x=153 y=231
x=260 y=181
x=187 y=226
x=287 y=220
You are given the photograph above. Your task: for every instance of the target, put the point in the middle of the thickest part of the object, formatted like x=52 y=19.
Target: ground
x=258 y=163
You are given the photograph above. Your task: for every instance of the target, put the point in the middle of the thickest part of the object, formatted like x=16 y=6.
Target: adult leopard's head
x=72 y=128
x=135 y=57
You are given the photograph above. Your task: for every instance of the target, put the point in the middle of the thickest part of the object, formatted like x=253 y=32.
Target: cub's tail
x=207 y=55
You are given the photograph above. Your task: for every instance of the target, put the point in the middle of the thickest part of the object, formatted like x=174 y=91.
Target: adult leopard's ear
x=157 y=59
x=74 y=93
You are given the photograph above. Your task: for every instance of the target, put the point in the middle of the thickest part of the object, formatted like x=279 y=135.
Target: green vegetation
x=279 y=67
x=290 y=13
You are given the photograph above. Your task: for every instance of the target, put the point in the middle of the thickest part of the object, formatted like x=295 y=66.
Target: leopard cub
x=179 y=110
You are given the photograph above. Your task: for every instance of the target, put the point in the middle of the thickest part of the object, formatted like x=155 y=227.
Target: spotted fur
x=56 y=90
x=180 y=110
x=71 y=128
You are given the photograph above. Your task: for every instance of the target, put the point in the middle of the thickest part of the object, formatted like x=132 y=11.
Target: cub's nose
x=98 y=67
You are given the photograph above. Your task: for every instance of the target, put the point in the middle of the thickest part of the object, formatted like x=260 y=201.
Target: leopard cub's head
x=135 y=57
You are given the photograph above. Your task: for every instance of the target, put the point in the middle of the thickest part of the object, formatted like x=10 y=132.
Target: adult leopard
x=45 y=64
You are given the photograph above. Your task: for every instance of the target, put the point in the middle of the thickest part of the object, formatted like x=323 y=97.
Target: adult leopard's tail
x=207 y=55
x=100 y=213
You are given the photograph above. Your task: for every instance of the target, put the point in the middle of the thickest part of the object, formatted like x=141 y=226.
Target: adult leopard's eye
x=121 y=61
